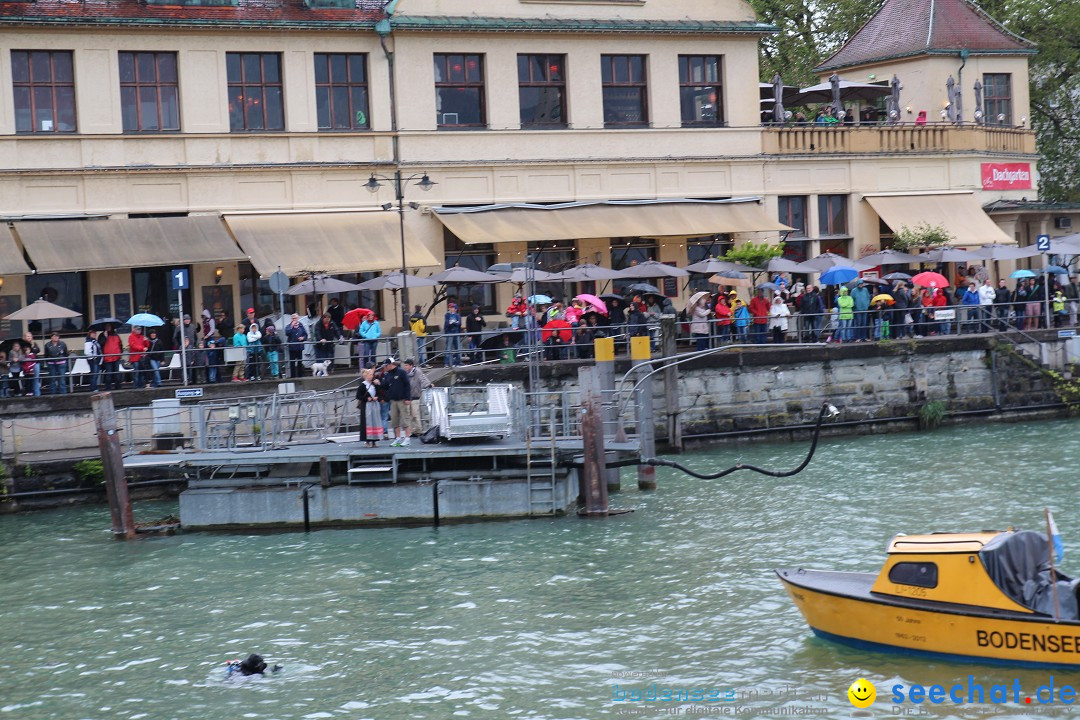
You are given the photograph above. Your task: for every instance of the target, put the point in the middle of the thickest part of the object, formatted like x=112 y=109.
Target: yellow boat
x=984 y=596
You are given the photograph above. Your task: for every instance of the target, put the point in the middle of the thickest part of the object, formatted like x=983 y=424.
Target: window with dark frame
x=625 y=90
x=44 y=87
x=149 y=93
x=479 y=257
x=459 y=91
x=701 y=90
x=542 y=90
x=341 y=91
x=793 y=213
x=832 y=215
x=997 y=99
x=256 y=93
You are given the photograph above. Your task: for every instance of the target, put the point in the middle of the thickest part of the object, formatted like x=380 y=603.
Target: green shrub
x=90 y=472
x=931 y=414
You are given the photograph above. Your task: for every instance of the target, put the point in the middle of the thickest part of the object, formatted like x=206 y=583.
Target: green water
x=525 y=619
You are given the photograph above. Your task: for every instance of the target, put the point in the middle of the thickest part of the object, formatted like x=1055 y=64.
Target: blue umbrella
x=1022 y=274
x=145 y=320
x=1056 y=270
x=540 y=300
x=838 y=275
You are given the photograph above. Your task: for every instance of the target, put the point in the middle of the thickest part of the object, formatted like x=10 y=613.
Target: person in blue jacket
x=970 y=307
x=861 y=297
x=370 y=332
x=452 y=331
x=742 y=321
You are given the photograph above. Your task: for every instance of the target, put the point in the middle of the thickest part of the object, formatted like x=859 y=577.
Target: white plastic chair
x=80 y=367
x=174 y=364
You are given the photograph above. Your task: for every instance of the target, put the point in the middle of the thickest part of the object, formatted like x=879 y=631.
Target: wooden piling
x=592 y=435
x=668 y=334
x=324 y=472
x=112 y=463
x=640 y=352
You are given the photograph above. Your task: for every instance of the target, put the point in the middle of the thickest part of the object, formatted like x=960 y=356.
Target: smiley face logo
x=862 y=693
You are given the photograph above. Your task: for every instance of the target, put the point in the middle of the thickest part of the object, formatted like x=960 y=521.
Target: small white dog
x=320 y=368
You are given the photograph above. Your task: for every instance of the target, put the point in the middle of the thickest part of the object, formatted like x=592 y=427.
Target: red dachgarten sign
x=1006 y=176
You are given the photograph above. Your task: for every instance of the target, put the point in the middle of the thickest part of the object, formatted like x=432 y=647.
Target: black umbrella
x=495 y=341
x=897 y=276
x=644 y=288
x=100 y=324
x=608 y=297
x=6 y=345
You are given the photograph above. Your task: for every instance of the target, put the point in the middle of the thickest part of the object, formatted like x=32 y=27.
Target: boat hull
x=840 y=607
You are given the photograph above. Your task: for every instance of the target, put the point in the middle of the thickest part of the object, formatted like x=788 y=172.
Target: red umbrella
x=557 y=326
x=930 y=279
x=353 y=318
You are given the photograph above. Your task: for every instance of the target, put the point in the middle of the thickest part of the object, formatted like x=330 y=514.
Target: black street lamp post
x=423 y=182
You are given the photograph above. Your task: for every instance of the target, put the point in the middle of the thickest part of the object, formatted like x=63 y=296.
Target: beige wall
x=629 y=9
x=923 y=80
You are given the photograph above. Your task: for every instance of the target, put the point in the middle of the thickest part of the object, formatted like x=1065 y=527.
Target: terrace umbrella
x=780 y=264
x=651 y=269
x=894 y=101
x=826 y=260
x=847 y=90
x=519 y=274
x=978 y=102
x=930 y=279
x=318 y=284
x=896 y=276
x=778 y=98
x=43 y=310
x=597 y=304
x=458 y=275
x=1005 y=252
x=394 y=281
x=1017 y=274
x=838 y=275
x=947 y=254
x=714 y=265
x=354 y=317
x=889 y=257
x=588 y=271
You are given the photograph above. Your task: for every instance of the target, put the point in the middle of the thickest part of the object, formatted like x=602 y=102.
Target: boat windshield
x=1019 y=564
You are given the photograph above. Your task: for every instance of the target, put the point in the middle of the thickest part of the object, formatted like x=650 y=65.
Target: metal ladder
x=367 y=468
x=542 y=485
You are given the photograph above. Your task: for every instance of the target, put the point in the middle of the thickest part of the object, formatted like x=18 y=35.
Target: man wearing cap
x=399 y=393
x=185 y=329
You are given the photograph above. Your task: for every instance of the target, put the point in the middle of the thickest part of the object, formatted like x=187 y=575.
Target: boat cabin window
x=921 y=574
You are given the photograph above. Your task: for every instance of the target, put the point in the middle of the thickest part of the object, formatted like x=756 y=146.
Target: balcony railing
x=819 y=139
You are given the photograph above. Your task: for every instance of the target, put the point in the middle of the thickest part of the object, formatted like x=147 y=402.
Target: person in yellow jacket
x=1058 y=301
x=845 y=315
x=419 y=328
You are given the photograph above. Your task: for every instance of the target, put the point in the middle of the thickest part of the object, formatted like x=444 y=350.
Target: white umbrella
x=317 y=284
x=43 y=310
x=1005 y=252
x=714 y=265
x=519 y=274
x=947 y=254
x=890 y=257
x=779 y=264
x=651 y=269
x=826 y=260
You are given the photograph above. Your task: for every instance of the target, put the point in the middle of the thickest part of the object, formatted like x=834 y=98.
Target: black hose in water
x=826 y=409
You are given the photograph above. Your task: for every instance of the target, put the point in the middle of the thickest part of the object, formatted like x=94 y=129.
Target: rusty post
x=112 y=463
x=671 y=382
x=592 y=435
x=324 y=472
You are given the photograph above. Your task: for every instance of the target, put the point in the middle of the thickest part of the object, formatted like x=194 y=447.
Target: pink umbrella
x=599 y=305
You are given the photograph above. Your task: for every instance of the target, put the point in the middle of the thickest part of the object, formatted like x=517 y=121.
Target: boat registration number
x=909 y=590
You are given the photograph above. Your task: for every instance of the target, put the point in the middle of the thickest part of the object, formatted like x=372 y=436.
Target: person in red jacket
x=759 y=314
x=934 y=298
x=138 y=344
x=723 y=318
x=111 y=350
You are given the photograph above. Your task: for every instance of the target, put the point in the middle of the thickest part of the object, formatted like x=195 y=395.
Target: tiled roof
x=246 y=13
x=564 y=25
x=902 y=28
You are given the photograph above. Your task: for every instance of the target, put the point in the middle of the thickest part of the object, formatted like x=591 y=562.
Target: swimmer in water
x=251 y=665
